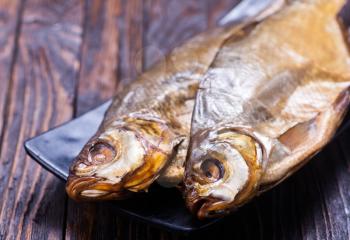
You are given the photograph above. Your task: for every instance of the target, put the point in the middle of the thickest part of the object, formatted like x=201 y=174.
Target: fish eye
x=212 y=169
x=102 y=152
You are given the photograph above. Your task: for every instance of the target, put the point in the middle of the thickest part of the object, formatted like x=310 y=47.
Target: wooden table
x=60 y=58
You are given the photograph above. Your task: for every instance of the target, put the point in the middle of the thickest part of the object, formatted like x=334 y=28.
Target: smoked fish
x=272 y=98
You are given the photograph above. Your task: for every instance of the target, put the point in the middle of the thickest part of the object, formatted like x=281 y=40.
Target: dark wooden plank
x=344 y=186
x=99 y=61
x=10 y=14
x=333 y=181
x=344 y=142
x=130 y=41
x=41 y=95
x=9 y=22
x=169 y=23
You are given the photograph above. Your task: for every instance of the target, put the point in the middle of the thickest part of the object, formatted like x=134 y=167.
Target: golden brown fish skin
x=279 y=93
x=148 y=116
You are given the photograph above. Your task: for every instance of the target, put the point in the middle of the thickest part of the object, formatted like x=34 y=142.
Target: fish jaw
x=93 y=188
x=124 y=158
x=206 y=207
x=223 y=170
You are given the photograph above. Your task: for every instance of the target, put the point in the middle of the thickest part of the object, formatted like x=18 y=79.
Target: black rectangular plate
x=56 y=149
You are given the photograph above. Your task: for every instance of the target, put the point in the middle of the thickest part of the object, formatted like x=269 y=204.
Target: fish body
x=271 y=99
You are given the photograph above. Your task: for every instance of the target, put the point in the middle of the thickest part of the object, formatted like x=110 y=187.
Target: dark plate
x=56 y=149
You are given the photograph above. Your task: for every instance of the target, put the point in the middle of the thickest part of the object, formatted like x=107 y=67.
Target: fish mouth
x=207 y=207
x=94 y=189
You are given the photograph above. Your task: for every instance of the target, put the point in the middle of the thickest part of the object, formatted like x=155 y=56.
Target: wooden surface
x=60 y=58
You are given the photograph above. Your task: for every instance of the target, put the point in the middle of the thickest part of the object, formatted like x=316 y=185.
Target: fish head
x=123 y=158
x=222 y=171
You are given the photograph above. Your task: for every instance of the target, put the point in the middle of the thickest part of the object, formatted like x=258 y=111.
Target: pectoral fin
x=303 y=141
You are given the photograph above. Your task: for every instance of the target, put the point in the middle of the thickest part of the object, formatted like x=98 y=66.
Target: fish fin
x=305 y=140
x=296 y=136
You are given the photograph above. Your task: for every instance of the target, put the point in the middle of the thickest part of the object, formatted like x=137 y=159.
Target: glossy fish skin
x=145 y=125
x=270 y=101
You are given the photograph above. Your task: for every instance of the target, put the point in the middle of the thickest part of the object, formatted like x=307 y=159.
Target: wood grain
x=60 y=58
x=100 y=49
x=170 y=23
x=10 y=11
x=40 y=97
